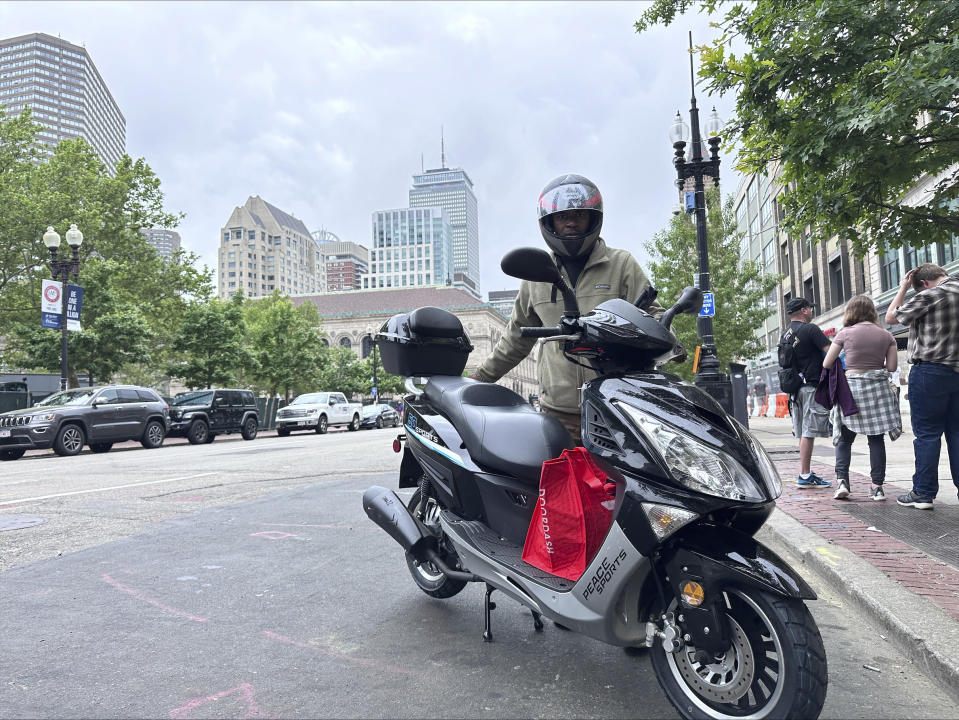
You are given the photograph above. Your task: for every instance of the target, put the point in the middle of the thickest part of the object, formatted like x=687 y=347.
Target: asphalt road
x=242 y=580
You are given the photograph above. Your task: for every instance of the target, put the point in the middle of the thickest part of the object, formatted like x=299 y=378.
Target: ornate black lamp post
x=62 y=270
x=708 y=375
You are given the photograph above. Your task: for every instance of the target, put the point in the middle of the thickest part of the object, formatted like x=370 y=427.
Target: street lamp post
x=708 y=374
x=62 y=269
x=369 y=331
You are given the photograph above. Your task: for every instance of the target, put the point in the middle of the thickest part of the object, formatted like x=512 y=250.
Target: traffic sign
x=709 y=305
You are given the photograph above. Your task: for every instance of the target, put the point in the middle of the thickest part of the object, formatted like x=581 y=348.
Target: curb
x=918 y=629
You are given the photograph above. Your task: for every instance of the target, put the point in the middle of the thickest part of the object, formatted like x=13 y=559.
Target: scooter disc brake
x=728 y=677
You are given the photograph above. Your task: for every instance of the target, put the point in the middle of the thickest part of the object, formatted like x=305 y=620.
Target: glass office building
x=411 y=247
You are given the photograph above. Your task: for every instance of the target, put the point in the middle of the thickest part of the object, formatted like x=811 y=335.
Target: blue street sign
x=709 y=305
x=690 y=201
x=374 y=391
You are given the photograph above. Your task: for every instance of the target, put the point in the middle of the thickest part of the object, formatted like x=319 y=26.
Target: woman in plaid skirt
x=870 y=357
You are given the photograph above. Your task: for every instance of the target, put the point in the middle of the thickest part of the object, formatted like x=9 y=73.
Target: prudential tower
x=452 y=190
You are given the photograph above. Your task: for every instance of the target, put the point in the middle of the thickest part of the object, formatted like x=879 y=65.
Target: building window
x=345 y=342
x=838 y=283
x=889 y=269
x=917 y=256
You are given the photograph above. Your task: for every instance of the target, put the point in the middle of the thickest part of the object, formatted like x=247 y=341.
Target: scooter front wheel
x=775 y=666
x=427 y=576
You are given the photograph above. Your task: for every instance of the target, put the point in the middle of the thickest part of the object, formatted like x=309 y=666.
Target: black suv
x=94 y=416
x=201 y=415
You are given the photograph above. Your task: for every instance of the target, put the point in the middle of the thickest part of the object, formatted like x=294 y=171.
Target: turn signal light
x=693 y=594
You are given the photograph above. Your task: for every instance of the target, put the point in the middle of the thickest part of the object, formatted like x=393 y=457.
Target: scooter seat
x=502 y=432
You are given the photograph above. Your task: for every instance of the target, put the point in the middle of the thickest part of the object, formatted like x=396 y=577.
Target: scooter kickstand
x=537 y=621
x=489 y=606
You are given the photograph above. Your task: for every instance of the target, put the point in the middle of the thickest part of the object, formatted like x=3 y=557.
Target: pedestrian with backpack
x=801 y=350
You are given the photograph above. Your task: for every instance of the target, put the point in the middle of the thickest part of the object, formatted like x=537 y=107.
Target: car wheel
x=396 y=420
x=321 y=425
x=379 y=423
x=154 y=435
x=210 y=438
x=282 y=432
x=101 y=447
x=11 y=454
x=249 y=429
x=69 y=440
x=198 y=432
x=355 y=425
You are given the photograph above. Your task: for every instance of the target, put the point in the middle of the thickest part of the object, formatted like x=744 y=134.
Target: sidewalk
x=897 y=564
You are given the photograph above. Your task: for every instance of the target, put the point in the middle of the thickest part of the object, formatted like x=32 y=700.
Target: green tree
x=738 y=285
x=133 y=301
x=211 y=344
x=341 y=371
x=857 y=99
x=285 y=346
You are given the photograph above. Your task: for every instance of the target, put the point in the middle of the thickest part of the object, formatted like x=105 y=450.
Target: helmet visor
x=574 y=196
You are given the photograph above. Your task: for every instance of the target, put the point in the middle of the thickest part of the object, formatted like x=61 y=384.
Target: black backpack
x=790 y=378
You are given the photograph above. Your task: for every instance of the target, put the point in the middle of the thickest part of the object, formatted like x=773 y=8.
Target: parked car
x=201 y=415
x=317 y=411
x=378 y=415
x=94 y=416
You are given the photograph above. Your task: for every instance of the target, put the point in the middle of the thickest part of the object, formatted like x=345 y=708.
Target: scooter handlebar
x=540 y=332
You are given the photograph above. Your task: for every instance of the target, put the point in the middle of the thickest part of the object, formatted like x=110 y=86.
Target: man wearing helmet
x=570 y=219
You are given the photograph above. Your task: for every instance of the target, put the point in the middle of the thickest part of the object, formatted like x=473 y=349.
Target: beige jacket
x=608 y=274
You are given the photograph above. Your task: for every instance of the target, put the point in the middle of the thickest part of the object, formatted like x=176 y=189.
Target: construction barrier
x=782 y=405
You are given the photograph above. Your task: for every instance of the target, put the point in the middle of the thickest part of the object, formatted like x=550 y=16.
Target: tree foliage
x=210 y=344
x=285 y=347
x=133 y=299
x=857 y=99
x=739 y=287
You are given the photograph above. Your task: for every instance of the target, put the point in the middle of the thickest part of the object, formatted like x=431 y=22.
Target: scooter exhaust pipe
x=386 y=509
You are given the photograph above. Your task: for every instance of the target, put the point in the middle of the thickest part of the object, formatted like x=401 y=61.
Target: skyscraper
x=452 y=190
x=263 y=249
x=60 y=84
x=411 y=248
x=165 y=242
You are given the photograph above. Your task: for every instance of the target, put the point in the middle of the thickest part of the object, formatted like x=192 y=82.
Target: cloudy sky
x=327 y=109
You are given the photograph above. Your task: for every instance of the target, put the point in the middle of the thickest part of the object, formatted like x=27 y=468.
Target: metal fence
x=267 y=408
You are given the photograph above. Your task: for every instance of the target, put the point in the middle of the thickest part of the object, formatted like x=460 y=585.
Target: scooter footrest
x=502 y=551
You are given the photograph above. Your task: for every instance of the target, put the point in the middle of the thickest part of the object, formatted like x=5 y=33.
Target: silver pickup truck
x=317 y=412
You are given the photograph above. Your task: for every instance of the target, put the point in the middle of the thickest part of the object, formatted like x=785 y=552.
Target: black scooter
x=679 y=570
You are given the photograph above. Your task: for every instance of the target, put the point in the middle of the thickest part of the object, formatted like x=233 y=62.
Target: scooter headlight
x=694 y=464
x=771 y=477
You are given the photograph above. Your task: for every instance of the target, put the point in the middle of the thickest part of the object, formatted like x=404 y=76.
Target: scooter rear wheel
x=427 y=576
x=775 y=666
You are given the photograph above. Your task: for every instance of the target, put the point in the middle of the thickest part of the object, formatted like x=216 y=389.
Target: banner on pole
x=51 y=305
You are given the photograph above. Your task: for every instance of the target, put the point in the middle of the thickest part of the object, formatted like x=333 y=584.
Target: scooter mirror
x=531 y=264
x=690 y=301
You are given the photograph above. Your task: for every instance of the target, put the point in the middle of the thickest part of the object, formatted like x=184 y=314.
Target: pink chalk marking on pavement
x=245 y=691
x=273 y=535
x=339 y=656
x=139 y=595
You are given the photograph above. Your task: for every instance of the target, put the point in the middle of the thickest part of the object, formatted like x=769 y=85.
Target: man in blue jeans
x=932 y=316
